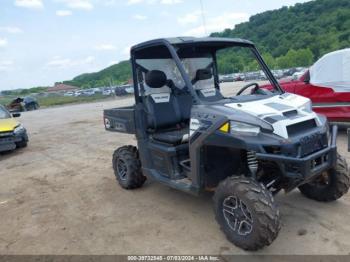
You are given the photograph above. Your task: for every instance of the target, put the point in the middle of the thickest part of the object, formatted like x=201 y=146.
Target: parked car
x=277 y=73
x=88 y=92
x=12 y=133
x=23 y=104
x=298 y=74
x=226 y=78
x=68 y=94
x=107 y=92
x=238 y=77
x=124 y=90
x=327 y=84
x=78 y=93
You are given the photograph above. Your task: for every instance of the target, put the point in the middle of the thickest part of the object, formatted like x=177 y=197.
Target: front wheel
x=127 y=167
x=330 y=185
x=246 y=212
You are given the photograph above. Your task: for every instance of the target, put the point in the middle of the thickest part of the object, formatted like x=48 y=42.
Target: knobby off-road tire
x=246 y=212
x=127 y=167
x=331 y=185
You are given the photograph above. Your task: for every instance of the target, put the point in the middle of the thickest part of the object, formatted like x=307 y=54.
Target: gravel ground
x=59 y=196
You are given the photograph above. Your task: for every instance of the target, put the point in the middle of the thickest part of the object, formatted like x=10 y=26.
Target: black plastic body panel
x=120 y=119
x=303 y=169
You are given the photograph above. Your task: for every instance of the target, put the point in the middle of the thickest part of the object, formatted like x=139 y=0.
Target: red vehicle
x=327 y=84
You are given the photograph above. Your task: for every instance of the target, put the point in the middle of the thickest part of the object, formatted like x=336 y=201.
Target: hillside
x=114 y=74
x=287 y=37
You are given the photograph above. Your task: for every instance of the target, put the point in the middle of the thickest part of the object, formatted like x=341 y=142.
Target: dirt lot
x=59 y=196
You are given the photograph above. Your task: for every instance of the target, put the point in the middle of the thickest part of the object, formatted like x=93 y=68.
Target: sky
x=47 y=41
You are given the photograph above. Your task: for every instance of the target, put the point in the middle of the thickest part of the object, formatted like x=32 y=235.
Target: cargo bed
x=120 y=119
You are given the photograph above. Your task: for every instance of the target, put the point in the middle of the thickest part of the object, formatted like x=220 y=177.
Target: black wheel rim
x=237 y=215
x=121 y=169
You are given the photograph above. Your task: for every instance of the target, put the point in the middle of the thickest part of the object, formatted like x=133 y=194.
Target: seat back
x=161 y=106
x=204 y=86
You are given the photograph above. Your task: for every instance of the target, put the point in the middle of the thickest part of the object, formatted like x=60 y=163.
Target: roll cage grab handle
x=185 y=76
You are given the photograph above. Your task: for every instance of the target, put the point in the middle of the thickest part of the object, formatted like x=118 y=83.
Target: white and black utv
x=246 y=147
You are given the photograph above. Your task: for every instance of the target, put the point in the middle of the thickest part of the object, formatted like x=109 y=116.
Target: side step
x=184 y=184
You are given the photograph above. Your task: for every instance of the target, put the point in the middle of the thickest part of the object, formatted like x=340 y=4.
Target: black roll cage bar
x=187 y=80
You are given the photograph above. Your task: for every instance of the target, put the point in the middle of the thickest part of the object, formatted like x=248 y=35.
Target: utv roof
x=215 y=42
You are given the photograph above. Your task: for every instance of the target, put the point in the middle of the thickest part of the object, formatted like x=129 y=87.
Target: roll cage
x=161 y=48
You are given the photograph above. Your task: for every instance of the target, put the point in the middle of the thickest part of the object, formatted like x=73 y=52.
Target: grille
x=313 y=143
x=5 y=134
x=301 y=127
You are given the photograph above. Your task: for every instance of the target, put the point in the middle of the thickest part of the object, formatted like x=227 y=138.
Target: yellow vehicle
x=12 y=133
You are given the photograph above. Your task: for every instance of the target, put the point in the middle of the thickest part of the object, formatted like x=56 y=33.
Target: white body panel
x=276 y=106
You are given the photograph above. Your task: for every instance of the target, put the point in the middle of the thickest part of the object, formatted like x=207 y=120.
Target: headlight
x=18 y=129
x=245 y=129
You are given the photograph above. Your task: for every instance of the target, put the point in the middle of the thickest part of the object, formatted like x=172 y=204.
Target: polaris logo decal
x=161 y=98
x=194 y=125
x=208 y=92
x=107 y=123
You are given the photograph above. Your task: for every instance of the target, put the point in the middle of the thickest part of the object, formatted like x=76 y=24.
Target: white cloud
x=105 y=47
x=31 y=4
x=58 y=62
x=3 y=42
x=79 y=4
x=139 y=17
x=190 y=18
x=6 y=65
x=10 y=29
x=126 y=50
x=88 y=60
x=219 y=23
x=170 y=2
x=64 y=12
x=132 y=2
x=165 y=13
x=110 y=2
x=151 y=2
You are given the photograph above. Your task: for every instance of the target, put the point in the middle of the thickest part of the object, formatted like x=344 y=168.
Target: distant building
x=62 y=88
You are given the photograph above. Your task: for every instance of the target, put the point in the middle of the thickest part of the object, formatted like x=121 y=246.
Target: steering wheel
x=247 y=86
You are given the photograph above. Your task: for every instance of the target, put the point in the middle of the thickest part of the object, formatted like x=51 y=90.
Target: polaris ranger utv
x=246 y=147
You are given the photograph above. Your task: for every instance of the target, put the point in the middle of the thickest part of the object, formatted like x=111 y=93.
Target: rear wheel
x=127 y=167
x=330 y=185
x=246 y=212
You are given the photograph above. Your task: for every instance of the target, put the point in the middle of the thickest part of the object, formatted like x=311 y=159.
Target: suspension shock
x=252 y=162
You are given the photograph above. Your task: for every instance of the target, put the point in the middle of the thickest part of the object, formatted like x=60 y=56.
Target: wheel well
x=221 y=162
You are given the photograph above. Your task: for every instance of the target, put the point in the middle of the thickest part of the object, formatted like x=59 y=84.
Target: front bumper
x=304 y=169
x=8 y=141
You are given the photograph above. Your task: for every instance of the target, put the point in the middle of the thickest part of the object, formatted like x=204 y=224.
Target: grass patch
x=6 y=100
x=62 y=100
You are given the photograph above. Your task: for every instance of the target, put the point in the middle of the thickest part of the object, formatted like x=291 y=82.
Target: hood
x=8 y=124
x=279 y=111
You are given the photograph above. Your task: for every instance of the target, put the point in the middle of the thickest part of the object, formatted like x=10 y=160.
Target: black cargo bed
x=120 y=119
